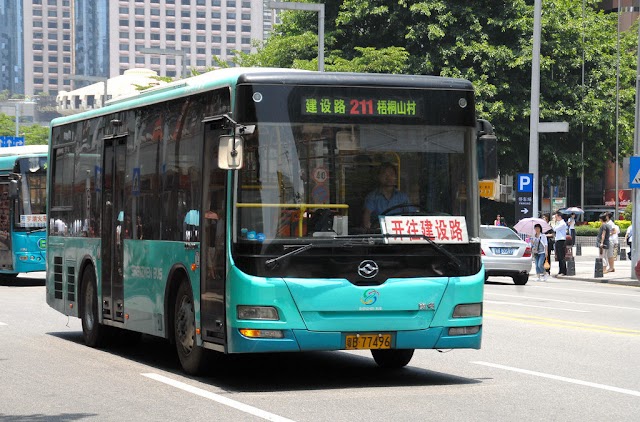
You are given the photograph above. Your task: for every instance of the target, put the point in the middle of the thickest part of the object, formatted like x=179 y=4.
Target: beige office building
x=61 y=39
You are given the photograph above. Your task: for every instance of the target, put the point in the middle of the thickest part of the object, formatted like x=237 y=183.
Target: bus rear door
x=113 y=227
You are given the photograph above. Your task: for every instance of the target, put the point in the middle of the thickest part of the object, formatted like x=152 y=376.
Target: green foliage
x=587 y=230
x=164 y=79
x=591 y=228
x=492 y=47
x=33 y=134
x=628 y=211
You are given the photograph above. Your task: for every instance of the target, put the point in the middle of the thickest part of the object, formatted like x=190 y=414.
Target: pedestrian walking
x=560 y=231
x=550 y=244
x=612 y=228
x=628 y=237
x=539 y=248
x=603 y=242
x=572 y=227
x=497 y=221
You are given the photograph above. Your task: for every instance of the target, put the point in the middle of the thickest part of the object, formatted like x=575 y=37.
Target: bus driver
x=385 y=196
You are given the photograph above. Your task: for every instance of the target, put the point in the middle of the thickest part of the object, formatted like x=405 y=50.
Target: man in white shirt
x=560 y=244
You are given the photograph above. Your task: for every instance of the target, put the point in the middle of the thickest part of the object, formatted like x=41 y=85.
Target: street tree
x=490 y=46
x=33 y=134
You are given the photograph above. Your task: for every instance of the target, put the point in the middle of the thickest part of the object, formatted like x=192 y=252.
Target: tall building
x=103 y=38
x=183 y=32
x=47 y=45
x=11 y=46
x=91 y=37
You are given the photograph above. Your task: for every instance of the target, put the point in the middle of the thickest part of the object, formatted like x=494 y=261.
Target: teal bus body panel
x=29 y=251
x=306 y=326
x=72 y=251
x=330 y=305
x=147 y=266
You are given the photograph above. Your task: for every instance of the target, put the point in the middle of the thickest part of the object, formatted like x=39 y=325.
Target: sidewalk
x=585 y=269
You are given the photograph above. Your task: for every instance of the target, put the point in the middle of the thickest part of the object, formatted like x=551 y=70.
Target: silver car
x=505 y=254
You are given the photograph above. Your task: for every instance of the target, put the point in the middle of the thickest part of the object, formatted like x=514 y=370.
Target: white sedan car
x=505 y=254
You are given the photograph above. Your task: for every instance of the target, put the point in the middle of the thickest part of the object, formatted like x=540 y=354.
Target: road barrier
x=598 y=269
x=571 y=266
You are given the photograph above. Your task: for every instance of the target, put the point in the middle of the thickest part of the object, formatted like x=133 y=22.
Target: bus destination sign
x=361 y=107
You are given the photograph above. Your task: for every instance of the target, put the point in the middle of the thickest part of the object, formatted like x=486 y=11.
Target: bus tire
x=94 y=333
x=192 y=357
x=392 y=358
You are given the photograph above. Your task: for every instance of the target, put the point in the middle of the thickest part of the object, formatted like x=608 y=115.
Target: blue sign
x=135 y=188
x=634 y=172
x=11 y=141
x=525 y=182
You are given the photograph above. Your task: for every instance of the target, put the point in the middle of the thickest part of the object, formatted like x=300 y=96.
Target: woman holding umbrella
x=539 y=250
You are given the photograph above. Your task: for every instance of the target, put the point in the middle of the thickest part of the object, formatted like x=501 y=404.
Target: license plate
x=368 y=341
x=503 y=251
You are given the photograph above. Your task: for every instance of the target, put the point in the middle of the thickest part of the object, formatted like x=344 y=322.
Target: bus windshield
x=306 y=180
x=30 y=212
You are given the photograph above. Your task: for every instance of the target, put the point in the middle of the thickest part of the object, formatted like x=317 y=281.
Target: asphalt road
x=566 y=350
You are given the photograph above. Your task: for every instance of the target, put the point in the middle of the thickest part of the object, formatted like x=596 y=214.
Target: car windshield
x=498 y=233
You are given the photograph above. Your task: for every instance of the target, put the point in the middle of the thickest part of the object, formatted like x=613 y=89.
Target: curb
x=620 y=282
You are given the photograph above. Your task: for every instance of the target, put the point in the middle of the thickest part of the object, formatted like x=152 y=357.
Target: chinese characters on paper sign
x=403 y=229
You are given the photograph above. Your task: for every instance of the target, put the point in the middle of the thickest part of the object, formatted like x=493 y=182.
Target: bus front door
x=114 y=228
x=213 y=248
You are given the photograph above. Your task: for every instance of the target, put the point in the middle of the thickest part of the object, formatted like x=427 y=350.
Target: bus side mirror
x=230 y=152
x=13 y=188
x=487 y=145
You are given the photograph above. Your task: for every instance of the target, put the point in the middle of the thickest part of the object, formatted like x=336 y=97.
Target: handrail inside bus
x=302 y=207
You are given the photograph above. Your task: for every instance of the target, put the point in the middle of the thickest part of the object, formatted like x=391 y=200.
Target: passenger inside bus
x=385 y=197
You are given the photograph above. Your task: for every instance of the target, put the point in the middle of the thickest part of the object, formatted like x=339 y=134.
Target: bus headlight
x=468 y=310
x=268 y=313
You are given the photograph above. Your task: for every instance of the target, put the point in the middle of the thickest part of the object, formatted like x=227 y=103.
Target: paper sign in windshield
x=33 y=220
x=406 y=229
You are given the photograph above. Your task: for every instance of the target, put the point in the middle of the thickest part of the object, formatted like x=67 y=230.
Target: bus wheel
x=94 y=334
x=192 y=357
x=392 y=358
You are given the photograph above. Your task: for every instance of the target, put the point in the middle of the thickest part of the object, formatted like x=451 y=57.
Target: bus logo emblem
x=42 y=243
x=368 y=269
x=370 y=297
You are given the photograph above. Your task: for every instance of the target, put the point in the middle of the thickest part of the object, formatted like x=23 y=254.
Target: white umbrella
x=573 y=210
x=527 y=225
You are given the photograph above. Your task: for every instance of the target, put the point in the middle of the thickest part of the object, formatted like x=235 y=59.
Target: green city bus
x=226 y=212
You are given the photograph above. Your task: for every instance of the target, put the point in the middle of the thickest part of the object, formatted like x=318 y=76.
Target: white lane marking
x=564 y=379
x=2 y=323
x=218 y=398
x=535 y=306
x=599 y=293
x=563 y=301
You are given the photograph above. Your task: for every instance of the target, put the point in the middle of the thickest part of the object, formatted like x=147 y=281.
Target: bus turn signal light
x=247 y=332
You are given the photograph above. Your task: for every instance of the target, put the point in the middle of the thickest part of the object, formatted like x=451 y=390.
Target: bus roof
x=9 y=155
x=230 y=76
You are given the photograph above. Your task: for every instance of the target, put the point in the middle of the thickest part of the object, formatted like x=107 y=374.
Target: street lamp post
x=309 y=7
x=17 y=104
x=92 y=79
x=167 y=52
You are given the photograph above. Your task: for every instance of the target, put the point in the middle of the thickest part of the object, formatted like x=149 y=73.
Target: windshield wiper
x=273 y=262
x=438 y=247
x=36 y=230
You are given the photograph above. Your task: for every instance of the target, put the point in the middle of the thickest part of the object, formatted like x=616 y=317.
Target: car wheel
x=521 y=279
